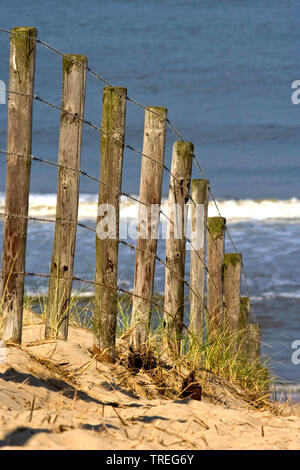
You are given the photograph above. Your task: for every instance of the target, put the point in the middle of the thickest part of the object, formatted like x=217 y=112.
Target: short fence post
x=181 y=168
x=244 y=313
x=107 y=237
x=69 y=155
x=200 y=189
x=19 y=137
x=232 y=283
x=244 y=320
x=255 y=335
x=150 y=194
x=215 y=267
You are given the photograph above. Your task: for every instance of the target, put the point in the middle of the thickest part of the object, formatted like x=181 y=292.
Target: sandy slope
x=54 y=395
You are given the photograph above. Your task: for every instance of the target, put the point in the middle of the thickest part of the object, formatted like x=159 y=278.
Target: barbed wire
x=131 y=246
x=95 y=283
x=125 y=243
x=93 y=126
x=41 y=160
x=172 y=126
x=84 y=281
x=98 y=129
x=77 y=170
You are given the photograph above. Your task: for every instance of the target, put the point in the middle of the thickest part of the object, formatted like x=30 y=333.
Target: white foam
x=277 y=295
x=249 y=209
x=44 y=205
x=289 y=295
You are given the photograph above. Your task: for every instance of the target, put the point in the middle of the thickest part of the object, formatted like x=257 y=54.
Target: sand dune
x=54 y=395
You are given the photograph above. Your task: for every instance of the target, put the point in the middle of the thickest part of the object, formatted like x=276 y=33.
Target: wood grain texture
x=112 y=147
x=232 y=283
x=215 y=265
x=150 y=194
x=200 y=189
x=19 y=137
x=69 y=155
x=244 y=320
x=254 y=346
x=181 y=169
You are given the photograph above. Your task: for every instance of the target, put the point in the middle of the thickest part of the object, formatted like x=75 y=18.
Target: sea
x=224 y=69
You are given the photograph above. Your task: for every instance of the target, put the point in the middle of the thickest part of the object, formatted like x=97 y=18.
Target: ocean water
x=224 y=71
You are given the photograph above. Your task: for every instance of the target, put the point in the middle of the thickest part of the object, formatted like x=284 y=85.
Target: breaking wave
x=44 y=205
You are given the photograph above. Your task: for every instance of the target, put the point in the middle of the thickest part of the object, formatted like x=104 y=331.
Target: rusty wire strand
x=98 y=129
x=96 y=283
x=123 y=242
x=172 y=126
x=85 y=226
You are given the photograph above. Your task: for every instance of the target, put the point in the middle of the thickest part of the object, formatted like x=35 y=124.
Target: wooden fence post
x=150 y=193
x=200 y=189
x=69 y=155
x=19 y=137
x=244 y=320
x=244 y=313
x=232 y=283
x=107 y=238
x=215 y=266
x=181 y=169
x=255 y=335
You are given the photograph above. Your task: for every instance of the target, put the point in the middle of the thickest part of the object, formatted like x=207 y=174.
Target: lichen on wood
x=216 y=226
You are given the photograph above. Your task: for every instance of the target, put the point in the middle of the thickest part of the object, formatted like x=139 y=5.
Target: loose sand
x=55 y=395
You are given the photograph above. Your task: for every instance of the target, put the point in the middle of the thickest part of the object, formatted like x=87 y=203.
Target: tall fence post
x=69 y=155
x=215 y=266
x=150 y=194
x=200 y=189
x=107 y=237
x=180 y=179
x=19 y=137
x=232 y=283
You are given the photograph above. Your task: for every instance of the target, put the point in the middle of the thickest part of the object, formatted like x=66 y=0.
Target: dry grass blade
x=32 y=409
x=204 y=440
x=120 y=417
x=178 y=435
x=201 y=423
x=82 y=368
x=23 y=383
x=40 y=342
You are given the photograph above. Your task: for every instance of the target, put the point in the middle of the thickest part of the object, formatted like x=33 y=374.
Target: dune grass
x=222 y=354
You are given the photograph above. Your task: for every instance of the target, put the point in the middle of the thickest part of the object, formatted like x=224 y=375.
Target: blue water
x=224 y=71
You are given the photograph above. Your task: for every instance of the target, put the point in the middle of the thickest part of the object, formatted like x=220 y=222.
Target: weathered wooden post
x=244 y=313
x=250 y=333
x=255 y=335
x=181 y=168
x=107 y=243
x=215 y=266
x=69 y=154
x=200 y=189
x=244 y=320
x=150 y=194
x=19 y=137
x=232 y=283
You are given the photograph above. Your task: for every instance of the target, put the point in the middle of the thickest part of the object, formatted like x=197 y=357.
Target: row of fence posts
x=223 y=300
